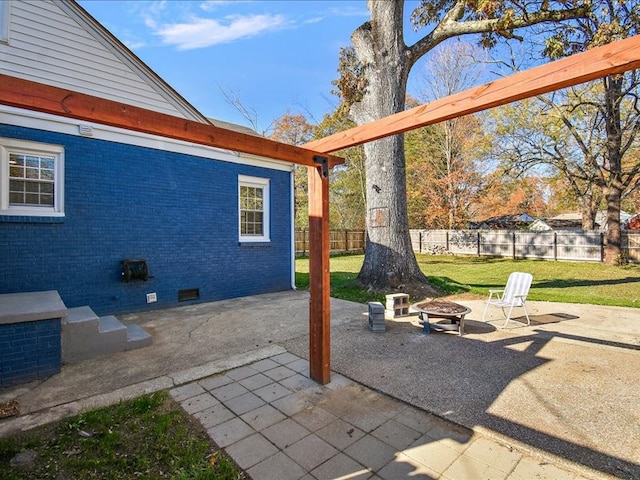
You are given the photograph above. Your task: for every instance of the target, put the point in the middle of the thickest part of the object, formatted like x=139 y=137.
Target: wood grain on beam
x=319 y=279
x=29 y=95
x=598 y=62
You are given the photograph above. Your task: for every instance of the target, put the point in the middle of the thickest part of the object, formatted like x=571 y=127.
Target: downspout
x=293 y=226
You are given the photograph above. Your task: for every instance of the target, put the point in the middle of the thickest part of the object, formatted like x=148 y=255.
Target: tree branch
x=451 y=26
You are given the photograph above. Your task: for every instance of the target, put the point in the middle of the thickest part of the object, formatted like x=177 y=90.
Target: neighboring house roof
x=570 y=216
x=556 y=224
x=58 y=43
x=507 y=222
x=601 y=218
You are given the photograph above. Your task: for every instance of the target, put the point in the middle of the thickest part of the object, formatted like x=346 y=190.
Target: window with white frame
x=31 y=178
x=253 y=202
x=5 y=7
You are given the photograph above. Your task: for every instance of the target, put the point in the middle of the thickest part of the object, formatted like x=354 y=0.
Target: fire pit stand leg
x=424 y=320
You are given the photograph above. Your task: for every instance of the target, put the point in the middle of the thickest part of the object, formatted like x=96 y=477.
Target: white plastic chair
x=514 y=295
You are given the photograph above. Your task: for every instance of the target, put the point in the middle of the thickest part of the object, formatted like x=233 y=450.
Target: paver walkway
x=277 y=424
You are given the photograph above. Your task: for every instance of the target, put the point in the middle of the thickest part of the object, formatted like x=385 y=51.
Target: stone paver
x=251 y=450
x=395 y=434
x=279 y=467
x=244 y=403
x=216 y=381
x=371 y=452
x=186 y=391
x=276 y=423
x=198 y=403
x=263 y=417
x=230 y=432
x=310 y=452
x=341 y=466
x=285 y=433
x=214 y=415
x=340 y=434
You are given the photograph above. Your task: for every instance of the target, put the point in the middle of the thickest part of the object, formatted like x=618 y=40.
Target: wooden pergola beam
x=20 y=93
x=616 y=57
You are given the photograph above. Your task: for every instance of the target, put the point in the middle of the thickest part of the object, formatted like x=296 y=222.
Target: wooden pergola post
x=319 y=283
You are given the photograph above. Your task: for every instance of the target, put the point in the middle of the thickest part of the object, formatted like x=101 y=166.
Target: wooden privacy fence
x=341 y=241
x=580 y=246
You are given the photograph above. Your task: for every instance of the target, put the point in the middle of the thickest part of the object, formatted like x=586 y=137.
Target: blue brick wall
x=29 y=351
x=178 y=212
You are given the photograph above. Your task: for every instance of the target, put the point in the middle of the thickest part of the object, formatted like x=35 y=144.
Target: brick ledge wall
x=30 y=336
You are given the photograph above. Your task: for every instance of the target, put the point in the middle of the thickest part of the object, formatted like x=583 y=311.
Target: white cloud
x=210 y=5
x=205 y=32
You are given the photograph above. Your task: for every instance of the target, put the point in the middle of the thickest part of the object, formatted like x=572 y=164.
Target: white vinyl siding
x=253 y=202
x=48 y=46
x=5 y=12
x=31 y=178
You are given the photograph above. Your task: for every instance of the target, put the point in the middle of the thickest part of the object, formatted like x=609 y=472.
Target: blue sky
x=273 y=56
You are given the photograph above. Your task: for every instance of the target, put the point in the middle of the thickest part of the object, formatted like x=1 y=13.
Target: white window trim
x=11 y=145
x=263 y=183
x=5 y=15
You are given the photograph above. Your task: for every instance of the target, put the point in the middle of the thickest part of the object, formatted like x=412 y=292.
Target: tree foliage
x=294 y=129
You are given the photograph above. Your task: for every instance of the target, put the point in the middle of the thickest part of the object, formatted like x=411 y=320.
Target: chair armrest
x=496 y=291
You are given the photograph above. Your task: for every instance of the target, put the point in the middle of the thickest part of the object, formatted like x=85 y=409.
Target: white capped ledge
x=31 y=306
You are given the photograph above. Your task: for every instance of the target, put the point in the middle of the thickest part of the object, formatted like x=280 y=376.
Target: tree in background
x=505 y=194
x=347 y=181
x=449 y=172
x=531 y=136
x=444 y=173
x=379 y=74
x=294 y=129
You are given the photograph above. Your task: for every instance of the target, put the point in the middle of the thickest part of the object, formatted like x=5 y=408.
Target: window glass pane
x=39 y=188
x=15 y=159
x=16 y=186
x=47 y=163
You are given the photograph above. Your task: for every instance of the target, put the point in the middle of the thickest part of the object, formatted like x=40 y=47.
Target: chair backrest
x=518 y=283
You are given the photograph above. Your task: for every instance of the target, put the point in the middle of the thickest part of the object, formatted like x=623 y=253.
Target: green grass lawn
x=150 y=437
x=573 y=282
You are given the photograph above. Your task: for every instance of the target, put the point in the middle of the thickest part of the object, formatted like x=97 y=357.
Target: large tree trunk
x=615 y=187
x=613 y=248
x=389 y=259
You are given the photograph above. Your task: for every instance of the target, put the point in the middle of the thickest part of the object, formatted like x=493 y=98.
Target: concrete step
x=85 y=335
x=137 y=337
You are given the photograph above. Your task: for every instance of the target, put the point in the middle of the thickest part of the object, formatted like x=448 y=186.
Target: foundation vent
x=188 y=294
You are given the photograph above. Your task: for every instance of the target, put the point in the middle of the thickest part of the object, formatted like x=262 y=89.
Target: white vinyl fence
x=581 y=246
